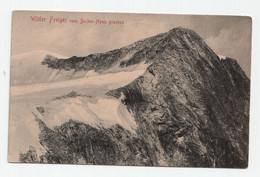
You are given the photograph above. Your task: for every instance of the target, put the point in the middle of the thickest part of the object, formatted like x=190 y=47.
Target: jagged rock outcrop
x=191 y=107
x=77 y=143
x=30 y=156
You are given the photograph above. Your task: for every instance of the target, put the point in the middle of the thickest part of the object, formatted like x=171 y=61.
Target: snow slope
x=26 y=68
x=113 y=80
x=92 y=107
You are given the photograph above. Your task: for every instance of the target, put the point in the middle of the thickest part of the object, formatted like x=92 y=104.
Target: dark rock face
x=192 y=109
x=71 y=94
x=40 y=110
x=196 y=104
x=30 y=156
x=75 y=142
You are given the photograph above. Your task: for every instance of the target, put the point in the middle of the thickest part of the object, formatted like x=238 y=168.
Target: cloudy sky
x=226 y=35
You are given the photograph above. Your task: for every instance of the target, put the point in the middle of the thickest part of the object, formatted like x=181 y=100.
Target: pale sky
x=226 y=35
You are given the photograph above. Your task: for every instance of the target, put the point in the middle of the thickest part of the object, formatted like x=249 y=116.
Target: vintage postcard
x=130 y=89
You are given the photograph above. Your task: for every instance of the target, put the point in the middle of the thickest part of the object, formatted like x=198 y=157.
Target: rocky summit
x=190 y=106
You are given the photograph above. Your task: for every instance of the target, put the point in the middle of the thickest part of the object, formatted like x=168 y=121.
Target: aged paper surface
x=130 y=89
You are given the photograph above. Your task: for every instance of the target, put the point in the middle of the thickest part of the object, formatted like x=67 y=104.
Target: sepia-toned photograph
x=129 y=89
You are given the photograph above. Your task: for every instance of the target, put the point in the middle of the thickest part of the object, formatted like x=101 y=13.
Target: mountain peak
x=174 y=44
x=178 y=29
x=182 y=32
